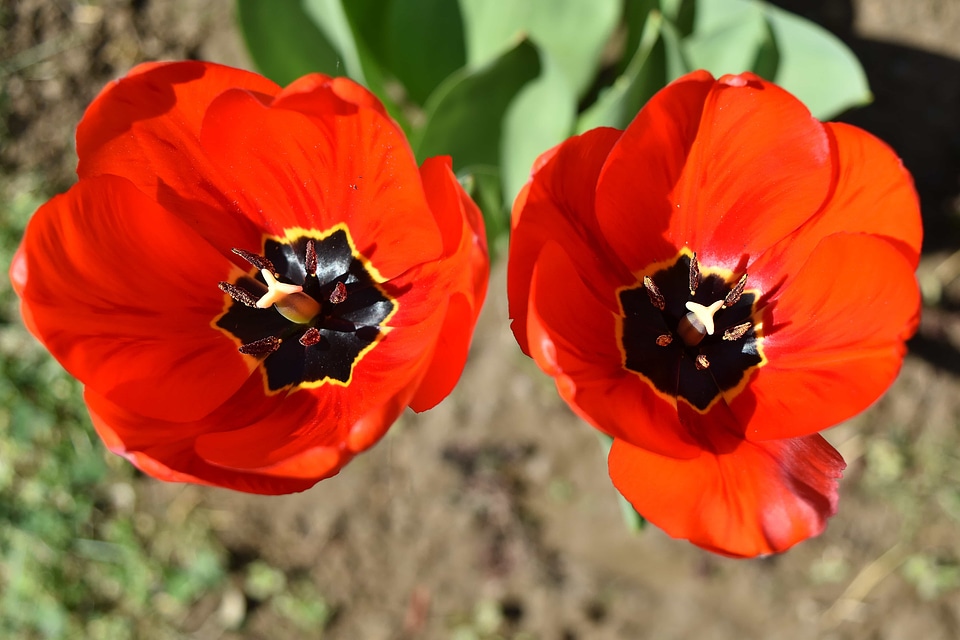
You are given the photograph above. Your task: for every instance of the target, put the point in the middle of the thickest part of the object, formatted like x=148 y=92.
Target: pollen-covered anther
x=338 y=294
x=734 y=294
x=701 y=362
x=664 y=340
x=737 y=332
x=694 y=274
x=311 y=337
x=239 y=294
x=291 y=302
x=656 y=298
x=310 y=258
x=260 y=262
x=262 y=347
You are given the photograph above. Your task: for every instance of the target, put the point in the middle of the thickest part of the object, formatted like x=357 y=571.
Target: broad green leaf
x=423 y=44
x=283 y=41
x=635 y=14
x=540 y=117
x=331 y=18
x=727 y=36
x=465 y=113
x=573 y=32
x=676 y=60
x=816 y=66
x=680 y=13
x=645 y=74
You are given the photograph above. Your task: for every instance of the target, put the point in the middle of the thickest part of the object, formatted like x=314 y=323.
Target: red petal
x=314 y=173
x=123 y=294
x=727 y=182
x=873 y=194
x=833 y=338
x=740 y=499
x=464 y=275
x=146 y=127
x=557 y=205
x=573 y=338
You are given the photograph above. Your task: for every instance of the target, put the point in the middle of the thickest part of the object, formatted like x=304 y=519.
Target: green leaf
x=423 y=44
x=283 y=41
x=816 y=66
x=643 y=77
x=727 y=36
x=540 y=117
x=330 y=17
x=573 y=32
x=465 y=113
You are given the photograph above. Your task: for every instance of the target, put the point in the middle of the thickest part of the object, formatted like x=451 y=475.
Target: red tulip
x=251 y=282
x=712 y=287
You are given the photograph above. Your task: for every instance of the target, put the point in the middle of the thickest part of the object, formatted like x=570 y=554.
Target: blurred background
x=491 y=516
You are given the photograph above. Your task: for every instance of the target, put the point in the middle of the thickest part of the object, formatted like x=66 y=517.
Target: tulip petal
x=573 y=338
x=123 y=294
x=745 y=172
x=740 y=498
x=874 y=194
x=313 y=173
x=558 y=206
x=146 y=127
x=839 y=323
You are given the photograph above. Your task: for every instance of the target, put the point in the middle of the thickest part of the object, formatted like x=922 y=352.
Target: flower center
x=311 y=311
x=693 y=335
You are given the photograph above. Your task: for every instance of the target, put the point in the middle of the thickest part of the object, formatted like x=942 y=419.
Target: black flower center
x=312 y=310
x=693 y=335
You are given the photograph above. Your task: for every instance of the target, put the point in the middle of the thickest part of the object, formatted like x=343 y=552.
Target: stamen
x=311 y=337
x=258 y=261
x=734 y=296
x=239 y=294
x=310 y=260
x=664 y=340
x=737 y=332
x=656 y=298
x=339 y=293
x=261 y=348
x=701 y=362
x=694 y=274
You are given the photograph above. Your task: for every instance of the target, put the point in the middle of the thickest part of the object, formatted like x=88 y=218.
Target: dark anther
x=311 y=337
x=737 y=332
x=701 y=362
x=310 y=261
x=734 y=296
x=339 y=293
x=694 y=274
x=239 y=294
x=261 y=348
x=256 y=260
x=656 y=298
x=664 y=340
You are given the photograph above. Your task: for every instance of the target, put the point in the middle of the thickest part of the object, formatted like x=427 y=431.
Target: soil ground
x=492 y=515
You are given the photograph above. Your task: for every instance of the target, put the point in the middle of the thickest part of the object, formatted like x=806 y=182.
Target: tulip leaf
x=727 y=36
x=423 y=44
x=631 y=518
x=283 y=41
x=816 y=66
x=541 y=116
x=573 y=32
x=645 y=74
x=465 y=113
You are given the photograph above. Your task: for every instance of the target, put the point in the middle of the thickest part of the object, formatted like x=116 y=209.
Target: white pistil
x=705 y=314
x=290 y=300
